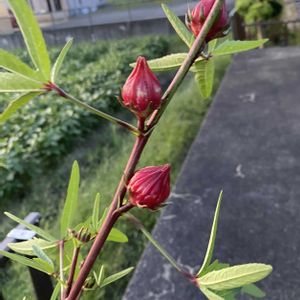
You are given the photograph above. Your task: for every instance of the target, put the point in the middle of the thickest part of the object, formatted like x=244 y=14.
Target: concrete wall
x=107 y=31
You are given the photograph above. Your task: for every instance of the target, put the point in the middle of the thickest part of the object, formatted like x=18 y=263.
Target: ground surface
x=248 y=146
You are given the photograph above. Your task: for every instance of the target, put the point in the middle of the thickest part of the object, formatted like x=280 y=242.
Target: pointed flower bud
x=150 y=187
x=142 y=92
x=199 y=14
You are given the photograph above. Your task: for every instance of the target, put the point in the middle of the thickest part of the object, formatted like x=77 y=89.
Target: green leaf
x=205 y=71
x=11 y=83
x=58 y=63
x=231 y=47
x=24 y=261
x=99 y=278
x=234 y=277
x=253 y=290
x=179 y=27
x=212 y=238
x=166 y=63
x=71 y=200
x=42 y=255
x=16 y=104
x=12 y=63
x=42 y=233
x=215 y=266
x=56 y=291
x=96 y=211
x=32 y=35
x=209 y=294
x=212 y=45
x=26 y=247
x=115 y=277
x=117 y=236
x=48 y=268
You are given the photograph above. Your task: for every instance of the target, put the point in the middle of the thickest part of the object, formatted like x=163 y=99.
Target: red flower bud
x=142 y=92
x=197 y=17
x=150 y=186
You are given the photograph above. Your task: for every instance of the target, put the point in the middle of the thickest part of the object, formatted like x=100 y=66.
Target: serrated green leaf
x=209 y=294
x=179 y=27
x=212 y=238
x=42 y=233
x=71 y=200
x=23 y=261
x=234 y=277
x=58 y=63
x=56 y=291
x=117 y=236
x=26 y=247
x=204 y=76
x=232 y=47
x=17 y=104
x=12 y=63
x=11 y=83
x=253 y=290
x=32 y=35
x=115 y=277
x=96 y=212
x=42 y=255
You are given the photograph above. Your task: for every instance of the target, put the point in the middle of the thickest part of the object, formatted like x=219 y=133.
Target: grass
x=102 y=159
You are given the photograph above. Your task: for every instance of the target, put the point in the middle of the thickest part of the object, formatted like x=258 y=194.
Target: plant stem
x=188 y=62
x=136 y=152
x=138 y=224
x=95 y=111
x=72 y=271
x=61 y=267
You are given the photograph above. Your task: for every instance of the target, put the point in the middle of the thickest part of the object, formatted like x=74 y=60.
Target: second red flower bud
x=142 y=92
x=150 y=187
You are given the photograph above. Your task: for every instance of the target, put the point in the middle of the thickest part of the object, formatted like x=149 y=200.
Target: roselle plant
x=63 y=257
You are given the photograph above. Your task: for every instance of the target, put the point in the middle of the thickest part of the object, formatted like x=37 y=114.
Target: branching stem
x=136 y=152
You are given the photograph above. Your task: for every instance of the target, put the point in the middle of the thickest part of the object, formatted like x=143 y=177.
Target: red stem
x=72 y=271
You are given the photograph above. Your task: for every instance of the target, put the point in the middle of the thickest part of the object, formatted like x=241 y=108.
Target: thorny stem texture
x=136 y=152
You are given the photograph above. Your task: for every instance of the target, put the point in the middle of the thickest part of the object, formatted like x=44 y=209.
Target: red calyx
x=150 y=187
x=142 y=92
x=199 y=14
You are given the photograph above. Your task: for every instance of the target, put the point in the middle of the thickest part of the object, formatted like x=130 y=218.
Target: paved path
x=146 y=12
x=248 y=146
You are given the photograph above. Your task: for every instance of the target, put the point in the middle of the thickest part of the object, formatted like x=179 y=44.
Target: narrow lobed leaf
x=12 y=63
x=12 y=83
x=60 y=59
x=234 y=277
x=25 y=248
x=212 y=238
x=232 y=47
x=56 y=291
x=205 y=72
x=96 y=212
x=17 y=104
x=209 y=294
x=253 y=290
x=115 y=277
x=178 y=26
x=23 y=261
x=32 y=35
x=70 y=207
x=42 y=233
x=42 y=255
x=117 y=236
